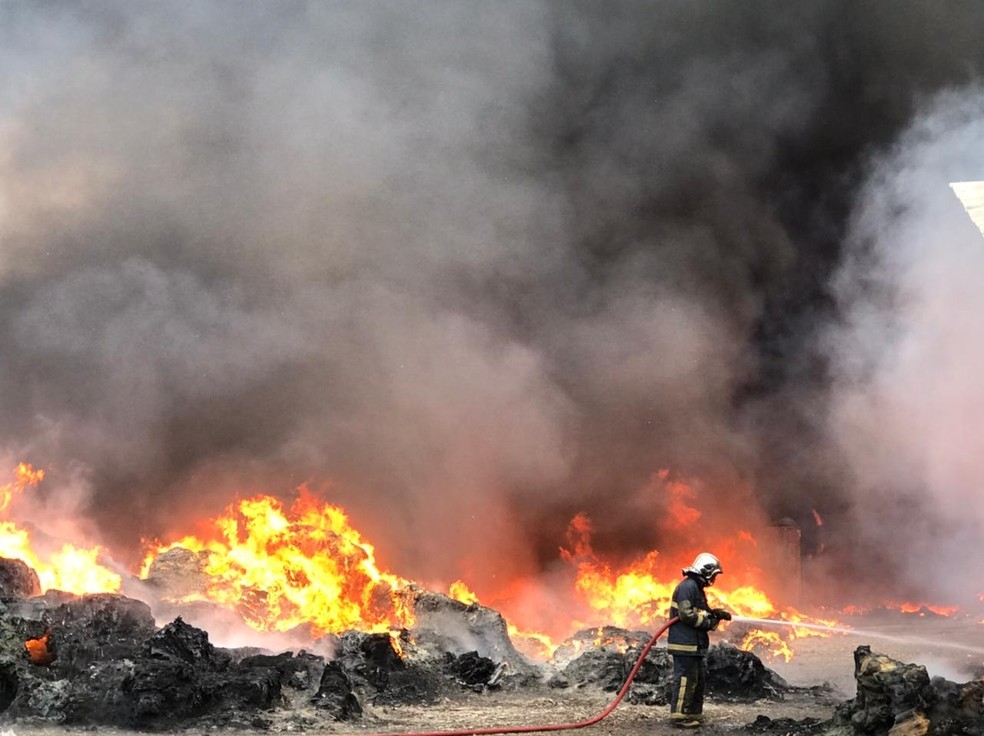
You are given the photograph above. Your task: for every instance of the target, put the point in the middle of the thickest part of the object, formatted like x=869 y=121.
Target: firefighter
x=688 y=640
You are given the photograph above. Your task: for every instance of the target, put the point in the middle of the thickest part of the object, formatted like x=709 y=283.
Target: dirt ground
x=576 y=705
x=512 y=708
x=821 y=671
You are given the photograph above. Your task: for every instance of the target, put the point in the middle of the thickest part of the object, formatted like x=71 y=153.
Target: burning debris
x=371 y=639
x=299 y=568
x=100 y=660
x=38 y=651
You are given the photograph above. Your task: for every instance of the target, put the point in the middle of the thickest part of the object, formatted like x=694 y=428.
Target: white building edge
x=971 y=196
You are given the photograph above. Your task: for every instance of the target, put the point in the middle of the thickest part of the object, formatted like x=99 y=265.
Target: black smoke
x=465 y=268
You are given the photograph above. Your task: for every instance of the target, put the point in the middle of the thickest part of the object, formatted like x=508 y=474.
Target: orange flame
x=768 y=640
x=68 y=568
x=24 y=477
x=37 y=650
x=282 y=568
x=461 y=592
x=922 y=608
x=533 y=644
x=919 y=609
x=303 y=564
x=639 y=593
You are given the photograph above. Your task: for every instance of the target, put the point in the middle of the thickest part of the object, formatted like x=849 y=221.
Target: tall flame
x=304 y=565
x=638 y=594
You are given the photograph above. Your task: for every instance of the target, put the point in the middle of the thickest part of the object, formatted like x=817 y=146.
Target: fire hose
x=548 y=726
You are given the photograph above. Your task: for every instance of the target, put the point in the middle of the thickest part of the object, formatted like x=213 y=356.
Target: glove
x=721 y=614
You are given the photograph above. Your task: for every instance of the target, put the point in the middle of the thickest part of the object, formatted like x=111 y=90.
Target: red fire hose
x=547 y=726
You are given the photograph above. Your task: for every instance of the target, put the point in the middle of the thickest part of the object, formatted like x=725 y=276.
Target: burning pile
x=79 y=651
x=100 y=659
x=302 y=568
x=283 y=568
x=74 y=648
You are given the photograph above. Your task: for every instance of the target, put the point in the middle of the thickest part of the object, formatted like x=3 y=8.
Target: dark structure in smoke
x=479 y=266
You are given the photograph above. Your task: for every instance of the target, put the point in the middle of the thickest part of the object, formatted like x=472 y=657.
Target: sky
x=469 y=269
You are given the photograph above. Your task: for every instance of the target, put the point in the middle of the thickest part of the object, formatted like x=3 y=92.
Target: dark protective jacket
x=688 y=636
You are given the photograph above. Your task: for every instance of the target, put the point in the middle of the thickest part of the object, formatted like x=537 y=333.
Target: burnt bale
x=886 y=688
x=740 y=676
x=472 y=670
x=444 y=624
x=178 y=572
x=81 y=688
x=163 y=693
x=112 y=668
x=369 y=659
x=957 y=703
x=298 y=671
x=182 y=676
x=18 y=579
x=731 y=674
x=171 y=681
x=249 y=689
x=380 y=675
x=335 y=695
x=599 y=666
x=181 y=642
x=898 y=698
x=15 y=630
x=611 y=637
x=607 y=661
x=91 y=629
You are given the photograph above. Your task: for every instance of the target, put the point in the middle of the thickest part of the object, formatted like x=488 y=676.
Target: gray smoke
x=907 y=405
x=466 y=269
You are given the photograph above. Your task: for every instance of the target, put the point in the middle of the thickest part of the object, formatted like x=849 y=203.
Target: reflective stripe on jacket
x=688 y=636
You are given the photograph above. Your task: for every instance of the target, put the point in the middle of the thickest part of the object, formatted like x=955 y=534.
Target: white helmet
x=705 y=566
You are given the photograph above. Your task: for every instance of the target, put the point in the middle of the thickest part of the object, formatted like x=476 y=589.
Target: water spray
x=935 y=643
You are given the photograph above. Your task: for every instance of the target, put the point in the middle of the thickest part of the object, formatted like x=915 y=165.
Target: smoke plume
x=907 y=406
x=468 y=269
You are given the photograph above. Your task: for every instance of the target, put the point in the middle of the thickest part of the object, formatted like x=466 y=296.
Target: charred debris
x=102 y=660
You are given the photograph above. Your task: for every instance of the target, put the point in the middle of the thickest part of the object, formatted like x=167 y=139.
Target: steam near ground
x=468 y=269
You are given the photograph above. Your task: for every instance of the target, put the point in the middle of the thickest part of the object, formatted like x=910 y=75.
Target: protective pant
x=687 y=697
